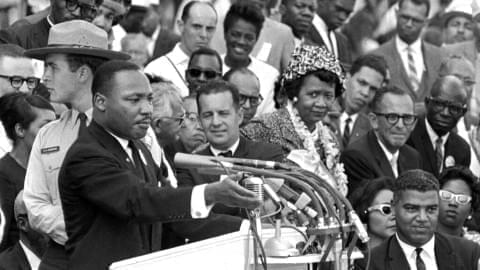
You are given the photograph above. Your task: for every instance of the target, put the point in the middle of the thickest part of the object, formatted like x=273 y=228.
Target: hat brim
x=449 y=15
x=40 y=53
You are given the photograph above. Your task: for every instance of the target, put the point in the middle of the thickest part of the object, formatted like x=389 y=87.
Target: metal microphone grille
x=254 y=184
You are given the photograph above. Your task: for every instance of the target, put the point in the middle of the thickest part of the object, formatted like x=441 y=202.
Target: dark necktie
x=143 y=228
x=226 y=154
x=439 y=154
x=138 y=163
x=419 y=262
x=346 y=132
x=83 y=123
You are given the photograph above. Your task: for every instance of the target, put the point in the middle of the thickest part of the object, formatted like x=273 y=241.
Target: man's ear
x=373 y=120
x=84 y=73
x=22 y=223
x=180 y=25
x=100 y=102
x=19 y=131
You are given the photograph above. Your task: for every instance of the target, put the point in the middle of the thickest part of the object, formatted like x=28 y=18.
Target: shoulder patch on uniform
x=49 y=150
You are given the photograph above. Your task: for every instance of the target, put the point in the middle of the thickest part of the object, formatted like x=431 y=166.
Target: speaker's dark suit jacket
x=432 y=57
x=364 y=160
x=455 y=147
x=451 y=253
x=26 y=35
x=14 y=258
x=343 y=46
x=110 y=212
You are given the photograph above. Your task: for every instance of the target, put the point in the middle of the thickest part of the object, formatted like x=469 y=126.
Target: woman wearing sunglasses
x=459 y=190
x=372 y=202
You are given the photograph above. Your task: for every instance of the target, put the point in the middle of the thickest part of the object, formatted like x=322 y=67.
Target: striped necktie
x=419 y=262
x=412 y=70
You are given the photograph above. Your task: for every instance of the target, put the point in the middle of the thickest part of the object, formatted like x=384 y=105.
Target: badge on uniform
x=50 y=150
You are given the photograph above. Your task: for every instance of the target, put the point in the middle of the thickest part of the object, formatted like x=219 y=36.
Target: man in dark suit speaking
x=416 y=245
x=109 y=184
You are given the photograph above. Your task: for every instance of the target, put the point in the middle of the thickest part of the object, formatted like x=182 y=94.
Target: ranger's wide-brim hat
x=77 y=37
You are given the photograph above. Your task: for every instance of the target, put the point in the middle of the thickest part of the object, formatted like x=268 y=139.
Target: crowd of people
x=97 y=97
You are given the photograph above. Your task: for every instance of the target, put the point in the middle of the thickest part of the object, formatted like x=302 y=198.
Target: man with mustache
x=433 y=138
x=197 y=25
x=382 y=151
x=416 y=245
x=75 y=49
x=109 y=182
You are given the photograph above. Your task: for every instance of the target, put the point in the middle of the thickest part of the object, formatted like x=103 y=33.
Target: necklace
x=329 y=145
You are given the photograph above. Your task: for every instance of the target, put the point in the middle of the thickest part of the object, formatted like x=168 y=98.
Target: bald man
x=432 y=137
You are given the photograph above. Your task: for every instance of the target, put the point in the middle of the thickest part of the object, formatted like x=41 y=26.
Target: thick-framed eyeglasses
x=385 y=209
x=85 y=9
x=439 y=105
x=460 y=199
x=392 y=118
x=17 y=81
x=209 y=74
x=254 y=100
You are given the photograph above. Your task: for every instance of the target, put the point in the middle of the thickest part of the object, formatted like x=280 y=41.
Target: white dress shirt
x=326 y=35
x=427 y=254
x=433 y=138
x=267 y=75
x=343 y=119
x=32 y=259
x=5 y=142
x=392 y=158
x=172 y=67
x=198 y=206
x=416 y=48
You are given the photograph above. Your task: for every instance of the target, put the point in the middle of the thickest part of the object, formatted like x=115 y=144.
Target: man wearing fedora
x=74 y=50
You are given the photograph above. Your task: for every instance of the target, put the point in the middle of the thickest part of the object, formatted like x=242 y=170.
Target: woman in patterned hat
x=312 y=81
x=459 y=203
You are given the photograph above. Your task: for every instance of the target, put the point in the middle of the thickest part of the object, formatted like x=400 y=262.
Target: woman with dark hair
x=22 y=115
x=312 y=81
x=459 y=190
x=372 y=202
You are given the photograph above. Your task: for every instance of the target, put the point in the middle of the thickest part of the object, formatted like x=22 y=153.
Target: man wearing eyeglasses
x=249 y=89
x=433 y=138
x=416 y=245
x=204 y=65
x=382 y=151
x=35 y=35
x=16 y=74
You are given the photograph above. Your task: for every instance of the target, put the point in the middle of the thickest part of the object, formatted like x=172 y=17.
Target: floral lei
x=329 y=145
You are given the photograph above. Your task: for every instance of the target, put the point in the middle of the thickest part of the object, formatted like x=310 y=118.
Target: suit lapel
x=425 y=143
x=396 y=259
x=444 y=254
x=361 y=126
x=380 y=157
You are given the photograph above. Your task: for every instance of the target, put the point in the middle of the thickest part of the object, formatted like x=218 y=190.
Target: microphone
x=255 y=184
x=300 y=201
x=262 y=164
x=361 y=231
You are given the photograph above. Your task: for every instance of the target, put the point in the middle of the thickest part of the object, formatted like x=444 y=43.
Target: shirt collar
x=344 y=116
x=319 y=24
x=121 y=141
x=433 y=135
x=416 y=46
x=49 y=20
x=88 y=113
x=177 y=55
x=232 y=148
x=32 y=259
x=387 y=153
x=409 y=250
x=156 y=32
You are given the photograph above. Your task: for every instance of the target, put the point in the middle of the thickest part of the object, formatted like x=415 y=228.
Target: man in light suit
x=416 y=245
x=413 y=63
x=382 y=151
x=365 y=78
x=109 y=182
